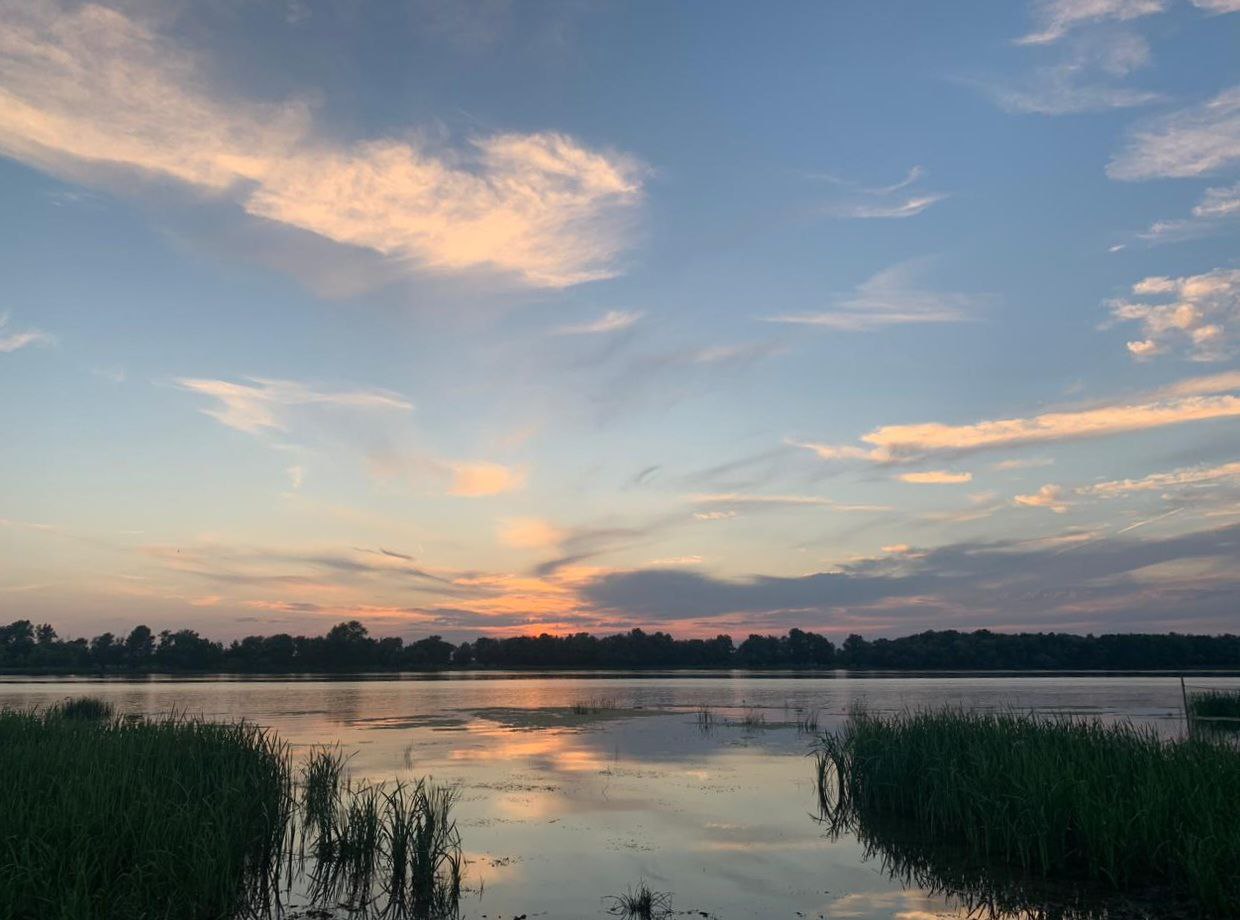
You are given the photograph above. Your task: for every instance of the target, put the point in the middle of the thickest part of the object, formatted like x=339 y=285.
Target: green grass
x=1113 y=806
x=1217 y=710
x=102 y=818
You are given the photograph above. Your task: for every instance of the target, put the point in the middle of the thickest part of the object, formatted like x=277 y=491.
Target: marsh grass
x=640 y=903
x=1113 y=806
x=165 y=818
x=1216 y=710
x=705 y=718
x=177 y=817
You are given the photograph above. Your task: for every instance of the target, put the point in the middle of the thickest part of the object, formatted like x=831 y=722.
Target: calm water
x=559 y=810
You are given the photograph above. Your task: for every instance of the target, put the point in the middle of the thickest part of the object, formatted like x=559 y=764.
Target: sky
x=504 y=318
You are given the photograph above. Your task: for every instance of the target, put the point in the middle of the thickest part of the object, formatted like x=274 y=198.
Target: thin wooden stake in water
x=1188 y=712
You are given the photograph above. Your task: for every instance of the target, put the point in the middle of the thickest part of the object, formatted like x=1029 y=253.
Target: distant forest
x=348 y=647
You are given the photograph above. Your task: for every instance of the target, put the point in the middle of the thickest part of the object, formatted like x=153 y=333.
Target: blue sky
x=499 y=318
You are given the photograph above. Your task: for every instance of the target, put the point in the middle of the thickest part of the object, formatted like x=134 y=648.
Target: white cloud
x=264 y=404
x=1184 y=477
x=936 y=477
x=1050 y=496
x=611 y=321
x=1199 y=314
x=775 y=501
x=12 y=341
x=1178 y=404
x=889 y=298
x=1191 y=142
x=910 y=207
x=714 y=515
x=1056 y=18
x=89 y=90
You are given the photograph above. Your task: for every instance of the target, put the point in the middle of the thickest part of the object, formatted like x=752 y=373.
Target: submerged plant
x=595 y=705
x=705 y=718
x=753 y=718
x=807 y=722
x=1109 y=805
x=85 y=709
x=1216 y=710
x=640 y=903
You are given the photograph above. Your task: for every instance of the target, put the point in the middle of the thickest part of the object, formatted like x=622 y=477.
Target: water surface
x=561 y=809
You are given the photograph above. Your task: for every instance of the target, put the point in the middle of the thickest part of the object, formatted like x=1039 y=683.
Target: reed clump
x=1113 y=805
x=640 y=903
x=108 y=818
x=390 y=849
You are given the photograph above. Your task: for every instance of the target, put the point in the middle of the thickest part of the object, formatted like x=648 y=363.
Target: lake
x=576 y=787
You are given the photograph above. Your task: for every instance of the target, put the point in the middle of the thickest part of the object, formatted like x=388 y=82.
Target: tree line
x=349 y=647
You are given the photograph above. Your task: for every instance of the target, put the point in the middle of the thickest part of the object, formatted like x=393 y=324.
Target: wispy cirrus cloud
x=1197 y=314
x=1184 y=477
x=1056 y=18
x=887 y=202
x=892 y=297
x=1195 y=141
x=611 y=321
x=265 y=404
x=13 y=340
x=1086 y=78
x=1172 y=406
x=1218 y=207
x=88 y=90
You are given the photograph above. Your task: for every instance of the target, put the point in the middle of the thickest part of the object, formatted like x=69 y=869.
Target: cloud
x=877 y=203
x=936 y=477
x=611 y=321
x=889 y=298
x=1055 y=18
x=477 y=479
x=12 y=341
x=1195 y=141
x=89 y=90
x=1157 y=482
x=776 y=501
x=1104 y=582
x=1022 y=464
x=1218 y=6
x=714 y=515
x=265 y=404
x=1083 y=80
x=1050 y=496
x=530 y=533
x=1198 y=314
x=904 y=443
x=1218 y=206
